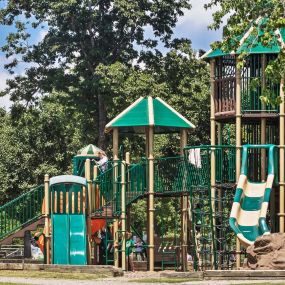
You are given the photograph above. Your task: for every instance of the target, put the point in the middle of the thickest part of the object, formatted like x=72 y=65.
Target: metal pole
x=47 y=219
x=123 y=215
x=213 y=143
x=184 y=206
x=281 y=153
x=151 y=198
x=89 y=205
x=238 y=143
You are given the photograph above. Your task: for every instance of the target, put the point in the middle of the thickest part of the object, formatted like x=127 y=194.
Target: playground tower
x=238 y=116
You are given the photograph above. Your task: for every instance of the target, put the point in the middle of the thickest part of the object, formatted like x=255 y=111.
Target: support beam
x=281 y=163
x=128 y=210
x=47 y=220
x=115 y=177
x=89 y=207
x=238 y=144
x=263 y=120
x=184 y=212
x=213 y=143
x=151 y=197
x=123 y=215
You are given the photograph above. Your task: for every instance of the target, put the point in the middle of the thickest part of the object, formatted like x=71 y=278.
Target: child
x=139 y=250
x=129 y=251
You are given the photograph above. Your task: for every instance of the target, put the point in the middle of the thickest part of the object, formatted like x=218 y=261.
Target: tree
x=80 y=36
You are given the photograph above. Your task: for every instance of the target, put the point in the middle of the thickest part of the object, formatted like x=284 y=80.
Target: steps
x=32 y=226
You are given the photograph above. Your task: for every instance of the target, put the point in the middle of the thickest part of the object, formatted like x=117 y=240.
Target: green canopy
x=249 y=42
x=147 y=112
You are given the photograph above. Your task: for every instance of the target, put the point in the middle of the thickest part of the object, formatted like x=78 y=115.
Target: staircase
x=18 y=216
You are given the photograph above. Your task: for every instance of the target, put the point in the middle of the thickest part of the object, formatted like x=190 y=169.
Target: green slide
x=249 y=209
x=69 y=239
x=77 y=239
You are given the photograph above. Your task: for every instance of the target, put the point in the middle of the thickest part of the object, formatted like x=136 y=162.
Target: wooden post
x=263 y=120
x=184 y=212
x=281 y=163
x=128 y=209
x=47 y=220
x=123 y=215
x=116 y=222
x=96 y=190
x=213 y=143
x=89 y=209
x=238 y=144
x=151 y=197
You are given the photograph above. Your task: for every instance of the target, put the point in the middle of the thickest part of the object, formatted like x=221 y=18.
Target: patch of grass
x=9 y=283
x=266 y=283
x=52 y=275
x=163 y=280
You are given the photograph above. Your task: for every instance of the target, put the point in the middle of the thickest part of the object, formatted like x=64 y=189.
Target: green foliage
x=34 y=142
x=240 y=15
x=84 y=41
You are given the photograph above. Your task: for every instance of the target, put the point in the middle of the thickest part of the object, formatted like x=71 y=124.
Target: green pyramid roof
x=149 y=112
x=249 y=42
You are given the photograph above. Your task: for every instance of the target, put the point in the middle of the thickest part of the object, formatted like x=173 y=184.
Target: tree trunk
x=102 y=116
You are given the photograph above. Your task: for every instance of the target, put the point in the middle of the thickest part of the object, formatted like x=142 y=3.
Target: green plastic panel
x=69 y=239
x=136 y=116
x=250 y=232
x=60 y=235
x=251 y=203
x=163 y=116
x=78 y=255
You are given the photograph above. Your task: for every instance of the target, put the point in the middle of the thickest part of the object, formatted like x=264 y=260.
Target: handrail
x=20 y=211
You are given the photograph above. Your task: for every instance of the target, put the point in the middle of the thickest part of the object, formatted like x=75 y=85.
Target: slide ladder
x=248 y=214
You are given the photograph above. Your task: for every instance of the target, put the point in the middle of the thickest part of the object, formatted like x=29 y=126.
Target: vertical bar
x=123 y=215
x=115 y=158
x=213 y=143
x=281 y=163
x=88 y=203
x=184 y=204
x=238 y=144
x=47 y=218
x=151 y=197
x=263 y=120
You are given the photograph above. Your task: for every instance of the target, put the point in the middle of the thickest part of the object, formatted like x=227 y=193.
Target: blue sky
x=193 y=25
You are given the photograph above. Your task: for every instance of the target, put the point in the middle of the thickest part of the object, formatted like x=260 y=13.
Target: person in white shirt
x=103 y=162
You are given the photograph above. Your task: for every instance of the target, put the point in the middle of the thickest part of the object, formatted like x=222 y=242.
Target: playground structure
x=225 y=190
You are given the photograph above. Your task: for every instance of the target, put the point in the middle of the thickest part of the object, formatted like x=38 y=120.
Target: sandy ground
x=125 y=280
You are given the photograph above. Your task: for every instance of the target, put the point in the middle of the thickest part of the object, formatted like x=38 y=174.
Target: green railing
x=109 y=186
x=170 y=175
x=250 y=94
x=136 y=178
x=21 y=211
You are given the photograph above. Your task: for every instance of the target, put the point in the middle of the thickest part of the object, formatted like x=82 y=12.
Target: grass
x=163 y=280
x=266 y=283
x=9 y=283
x=51 y=275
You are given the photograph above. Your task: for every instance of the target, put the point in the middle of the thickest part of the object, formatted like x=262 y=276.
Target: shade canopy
x=90 y=150
x=250 y=42
x=149 y=112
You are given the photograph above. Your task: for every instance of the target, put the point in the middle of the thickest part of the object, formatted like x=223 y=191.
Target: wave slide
x=248 y=214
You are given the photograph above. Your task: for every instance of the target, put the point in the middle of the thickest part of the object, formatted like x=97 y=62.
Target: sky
x=193 y=25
